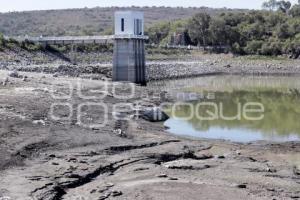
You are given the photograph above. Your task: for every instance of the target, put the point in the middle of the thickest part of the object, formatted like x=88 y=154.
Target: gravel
x=206 y=64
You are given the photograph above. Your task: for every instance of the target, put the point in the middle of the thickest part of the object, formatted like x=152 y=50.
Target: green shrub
x=237 y=49
x=254 y=47
x=295 y=11
x=29 y=46
x=1 y=41
x=271 y=48
x=292 y=47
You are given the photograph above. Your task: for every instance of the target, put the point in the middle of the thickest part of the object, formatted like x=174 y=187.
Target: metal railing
x=102 y=39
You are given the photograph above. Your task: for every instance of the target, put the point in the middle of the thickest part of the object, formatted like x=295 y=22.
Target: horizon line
x=120 y=7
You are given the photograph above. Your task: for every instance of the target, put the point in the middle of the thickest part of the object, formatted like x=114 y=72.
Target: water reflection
x=280 y=99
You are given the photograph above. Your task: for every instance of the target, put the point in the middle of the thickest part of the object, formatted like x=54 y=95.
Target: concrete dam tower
x=129 y=49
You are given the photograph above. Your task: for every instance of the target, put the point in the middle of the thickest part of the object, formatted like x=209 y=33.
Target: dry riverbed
x=49 y=159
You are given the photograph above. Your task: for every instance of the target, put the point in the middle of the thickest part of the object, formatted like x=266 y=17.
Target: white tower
x=129 y=23
x=129 y=48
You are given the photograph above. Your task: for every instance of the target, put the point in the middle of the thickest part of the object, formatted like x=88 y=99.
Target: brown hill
x=86 y=21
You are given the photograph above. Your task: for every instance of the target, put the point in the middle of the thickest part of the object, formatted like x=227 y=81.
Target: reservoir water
x=235 y=108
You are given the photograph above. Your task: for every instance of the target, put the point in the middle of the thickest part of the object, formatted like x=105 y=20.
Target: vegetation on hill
x=85 y=21
x=273 y=31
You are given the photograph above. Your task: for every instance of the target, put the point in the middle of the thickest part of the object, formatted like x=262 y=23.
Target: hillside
x=86 y=21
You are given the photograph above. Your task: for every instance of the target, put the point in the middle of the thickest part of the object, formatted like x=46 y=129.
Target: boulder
x=228 y=66
x=13 y=74
x=155 y=115
x=4 y=83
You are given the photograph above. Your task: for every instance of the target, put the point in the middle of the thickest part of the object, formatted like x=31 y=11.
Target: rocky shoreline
x=206 y=64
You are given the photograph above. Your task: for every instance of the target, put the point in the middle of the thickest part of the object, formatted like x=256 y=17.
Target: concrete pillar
x=73 y=52
x=129 y=60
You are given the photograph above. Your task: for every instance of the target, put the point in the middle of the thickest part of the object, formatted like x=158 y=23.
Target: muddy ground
x=46 y=158
x=52 y=146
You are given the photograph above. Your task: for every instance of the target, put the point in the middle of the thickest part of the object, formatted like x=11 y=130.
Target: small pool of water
x=236 y=108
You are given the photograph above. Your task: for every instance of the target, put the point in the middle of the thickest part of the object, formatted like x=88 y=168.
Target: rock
x=55 y=163
x=141 y=169
x=116 y=193
x=228 y=66
x=93 y=191
x=4 y=83
x=104 y=196
x=186 y=164
x=109 y=185
x=84 y=168
x=41 y=122
x=203 y=155
x=55 y=75
x=242 y=186
x=221 y=157
x=155 y=115
x=252 y=159
x=24 y=78
x=162 y=176
x=173 y=179
x=119 y=132
x=34 y=178
x=72 y=159
x=295 y=196
x=296 y=171
x=271 y=170
x=72 y=175
x=271 y=189
x=102 y=189
x=13 y=74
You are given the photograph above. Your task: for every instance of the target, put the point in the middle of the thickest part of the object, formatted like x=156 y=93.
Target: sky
x=24 y=5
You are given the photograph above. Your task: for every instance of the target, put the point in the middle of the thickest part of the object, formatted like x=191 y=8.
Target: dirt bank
x=187 y=65
x=49 y=159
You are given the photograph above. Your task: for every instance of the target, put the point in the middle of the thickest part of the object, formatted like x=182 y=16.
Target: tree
x=198 y=28
x=275 y=18
x=284 y=6
x=295 y=11
x=158 y=32
x=254 y=32
x=221 y=33
x=233 y=19
x=283 y=31
x=270 y=5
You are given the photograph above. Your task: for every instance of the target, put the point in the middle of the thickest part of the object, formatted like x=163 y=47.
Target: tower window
x=122 y=25
x=138 y=27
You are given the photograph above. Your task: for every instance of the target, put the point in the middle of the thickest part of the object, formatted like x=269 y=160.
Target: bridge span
x=102 y=39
